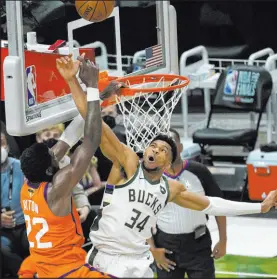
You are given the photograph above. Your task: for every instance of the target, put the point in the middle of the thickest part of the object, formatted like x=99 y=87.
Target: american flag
x=154 y=56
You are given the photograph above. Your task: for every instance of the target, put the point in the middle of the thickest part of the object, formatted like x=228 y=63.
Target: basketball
x=95 y=11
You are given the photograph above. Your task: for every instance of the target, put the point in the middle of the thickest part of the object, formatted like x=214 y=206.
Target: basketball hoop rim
x=149 y=78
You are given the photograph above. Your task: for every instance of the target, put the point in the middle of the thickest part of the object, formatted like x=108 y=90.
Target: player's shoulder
x=175 y=185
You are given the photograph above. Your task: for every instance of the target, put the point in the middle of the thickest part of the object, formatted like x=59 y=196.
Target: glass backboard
x=37 y=97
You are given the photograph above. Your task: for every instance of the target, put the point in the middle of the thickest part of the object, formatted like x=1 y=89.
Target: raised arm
x=218 y=206
x=110 y=145
x=69 y=137
x=70 y=175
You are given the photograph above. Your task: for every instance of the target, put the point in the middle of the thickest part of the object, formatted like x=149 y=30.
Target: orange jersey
x=54 y=241
x=27 y=268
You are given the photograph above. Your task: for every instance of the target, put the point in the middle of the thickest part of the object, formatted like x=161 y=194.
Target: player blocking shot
x=53 y=224
x=135 y=194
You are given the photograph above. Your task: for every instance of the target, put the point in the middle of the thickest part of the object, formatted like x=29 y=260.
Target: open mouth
x=151 y=159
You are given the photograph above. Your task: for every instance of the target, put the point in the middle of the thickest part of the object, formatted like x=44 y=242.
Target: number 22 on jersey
x=44 y=229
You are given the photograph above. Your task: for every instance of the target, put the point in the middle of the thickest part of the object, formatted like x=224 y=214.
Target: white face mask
x=4 y=155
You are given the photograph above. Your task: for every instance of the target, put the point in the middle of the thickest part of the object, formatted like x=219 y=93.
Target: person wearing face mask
x=14 y=242
x=53 y=132
x=14 y=149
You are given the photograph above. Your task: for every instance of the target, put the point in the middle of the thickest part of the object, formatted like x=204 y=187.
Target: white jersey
x=128 y=213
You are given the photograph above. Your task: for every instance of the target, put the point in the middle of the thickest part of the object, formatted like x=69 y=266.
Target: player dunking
x=53 y=224
x=131 y=202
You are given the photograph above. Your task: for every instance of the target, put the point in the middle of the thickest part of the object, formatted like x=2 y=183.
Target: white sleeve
x=222 y=207
x=73 y=131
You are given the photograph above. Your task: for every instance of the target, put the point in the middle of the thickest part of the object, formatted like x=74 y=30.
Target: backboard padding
x=50 y=84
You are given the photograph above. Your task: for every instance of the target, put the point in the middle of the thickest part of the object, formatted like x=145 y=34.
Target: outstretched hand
x=270 y=201
x=89 y=72
x=67 y=67
x=112 y=89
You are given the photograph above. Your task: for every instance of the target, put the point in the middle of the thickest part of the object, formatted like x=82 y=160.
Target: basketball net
x=145 y=115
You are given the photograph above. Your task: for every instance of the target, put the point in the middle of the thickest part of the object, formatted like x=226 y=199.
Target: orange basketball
x=95 y=11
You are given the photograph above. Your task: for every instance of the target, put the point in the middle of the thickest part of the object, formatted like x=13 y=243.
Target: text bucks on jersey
x=128 y=213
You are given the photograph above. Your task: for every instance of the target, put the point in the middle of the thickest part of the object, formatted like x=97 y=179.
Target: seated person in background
x=14 y=242
x=53 y=132
x=14 y=150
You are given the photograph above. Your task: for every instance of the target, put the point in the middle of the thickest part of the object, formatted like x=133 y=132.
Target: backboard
x=23 y=76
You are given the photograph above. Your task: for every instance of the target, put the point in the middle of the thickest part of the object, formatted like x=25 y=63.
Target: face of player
x=157 y=156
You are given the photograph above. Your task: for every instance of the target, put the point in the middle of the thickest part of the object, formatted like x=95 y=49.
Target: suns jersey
x=53 y=240
x=128 y=213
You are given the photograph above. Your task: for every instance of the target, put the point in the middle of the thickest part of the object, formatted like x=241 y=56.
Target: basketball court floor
x=252 y=243
x=251 y=248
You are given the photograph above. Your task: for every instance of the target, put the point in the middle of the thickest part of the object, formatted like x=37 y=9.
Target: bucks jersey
x=128 y=213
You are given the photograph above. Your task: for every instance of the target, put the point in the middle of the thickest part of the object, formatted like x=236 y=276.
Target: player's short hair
x=169 y=140
x=173 y=131
x=35 y=160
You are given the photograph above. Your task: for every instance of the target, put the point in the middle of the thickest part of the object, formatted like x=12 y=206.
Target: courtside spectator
x=14 y=242
x=14 y=150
